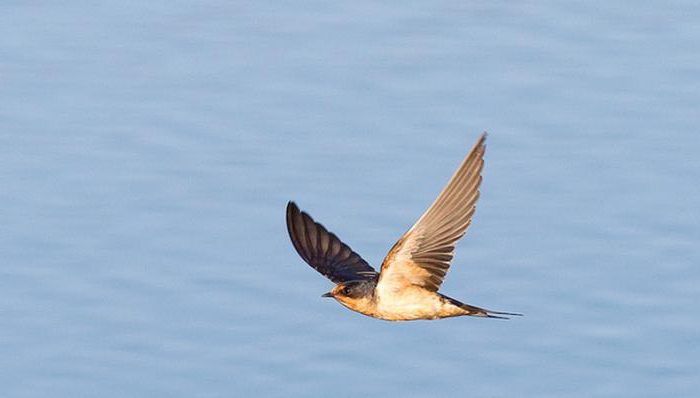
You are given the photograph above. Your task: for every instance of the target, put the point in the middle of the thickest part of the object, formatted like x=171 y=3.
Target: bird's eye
x=346 y=291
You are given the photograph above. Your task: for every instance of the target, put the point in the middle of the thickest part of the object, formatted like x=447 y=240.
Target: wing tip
x=293 y=212
x=481 y=142
x=293 y=216
x=291 y=209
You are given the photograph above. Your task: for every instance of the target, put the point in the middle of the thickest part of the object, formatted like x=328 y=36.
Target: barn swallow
x=406 y=288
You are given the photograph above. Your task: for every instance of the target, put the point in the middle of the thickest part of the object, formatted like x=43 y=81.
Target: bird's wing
x=323 y=250
x=422 y=255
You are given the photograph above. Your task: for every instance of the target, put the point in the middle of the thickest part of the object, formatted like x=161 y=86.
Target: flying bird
x=406 y=288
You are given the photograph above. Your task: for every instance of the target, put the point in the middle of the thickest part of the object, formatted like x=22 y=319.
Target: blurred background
x=148 y=149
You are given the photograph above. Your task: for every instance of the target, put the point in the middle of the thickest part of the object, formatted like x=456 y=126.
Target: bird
x=406 y=288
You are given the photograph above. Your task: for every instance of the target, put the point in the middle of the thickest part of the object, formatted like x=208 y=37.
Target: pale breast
x=408 y=304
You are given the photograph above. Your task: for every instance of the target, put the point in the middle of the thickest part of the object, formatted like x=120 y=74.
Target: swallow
x=406 y=288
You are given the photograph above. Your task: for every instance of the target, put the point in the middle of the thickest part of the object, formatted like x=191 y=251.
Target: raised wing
x=422 y=255
x=323 y=250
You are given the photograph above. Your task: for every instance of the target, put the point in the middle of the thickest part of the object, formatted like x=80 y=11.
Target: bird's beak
x=329 y=294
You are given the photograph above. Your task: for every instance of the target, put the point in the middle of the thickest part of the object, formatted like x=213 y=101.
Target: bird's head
x=351 y=293
x=356 y=295
x=347 y=289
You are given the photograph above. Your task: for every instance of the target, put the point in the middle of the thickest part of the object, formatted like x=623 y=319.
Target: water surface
x=148 y=151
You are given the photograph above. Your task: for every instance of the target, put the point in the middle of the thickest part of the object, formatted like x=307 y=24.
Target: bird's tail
x=482 y=312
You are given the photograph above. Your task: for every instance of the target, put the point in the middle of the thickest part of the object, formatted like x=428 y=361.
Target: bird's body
x=411 y=274
x=416 y=303
x=407 y=304
x=403 y=305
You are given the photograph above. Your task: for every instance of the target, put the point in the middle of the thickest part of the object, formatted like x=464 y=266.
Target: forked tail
x=477 y=311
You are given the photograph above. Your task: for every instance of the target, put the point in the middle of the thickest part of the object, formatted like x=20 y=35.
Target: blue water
x=147 y=152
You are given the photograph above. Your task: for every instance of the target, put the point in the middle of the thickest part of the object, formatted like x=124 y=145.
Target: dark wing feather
x=323 y=250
